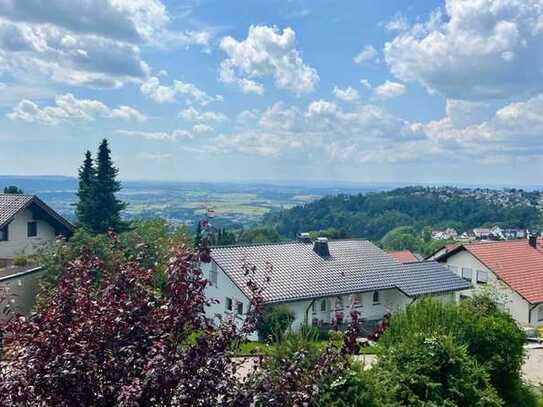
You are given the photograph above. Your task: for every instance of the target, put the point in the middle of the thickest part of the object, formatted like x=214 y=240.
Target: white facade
x=19 y=243
x=371 y=305
x=468 y=266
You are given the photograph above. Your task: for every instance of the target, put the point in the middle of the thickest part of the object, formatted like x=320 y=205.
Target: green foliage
x=402 y=238
x=354 y=388
x=108 y=206
x=20 y=261
x=372 y=215
x=98 y=209
x=147 y=241
x=273 y=322
x=330 y=233
x=12 y=189
x=434 y=371
x=490 y=336
x=85 y=208
x=259 y=235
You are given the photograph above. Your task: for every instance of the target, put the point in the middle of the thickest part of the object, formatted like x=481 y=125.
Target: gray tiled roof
x=354 y=266
x=10 y=204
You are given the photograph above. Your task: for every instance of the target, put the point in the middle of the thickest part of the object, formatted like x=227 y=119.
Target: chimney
x=321 y=247
x=532 y=240
x=304 y=237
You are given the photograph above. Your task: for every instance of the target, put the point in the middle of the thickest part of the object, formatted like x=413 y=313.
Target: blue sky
x=363 y=91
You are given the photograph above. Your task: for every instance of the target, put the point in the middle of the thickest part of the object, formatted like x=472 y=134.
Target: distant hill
x=372 y=215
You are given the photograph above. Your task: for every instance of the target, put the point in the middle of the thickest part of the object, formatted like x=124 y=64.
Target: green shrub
x=433 y=371
x=274 y=322
x=20 y=261
x=355 y=388
x=491 y=337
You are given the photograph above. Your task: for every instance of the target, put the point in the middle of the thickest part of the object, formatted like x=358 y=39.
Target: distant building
x=513 y=268
x=403 y=256
x=481 y=233
x=321 y=282
x=447 y=234
x=28 y=224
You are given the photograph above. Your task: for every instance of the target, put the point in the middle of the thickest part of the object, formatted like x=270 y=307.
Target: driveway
x=533 y=366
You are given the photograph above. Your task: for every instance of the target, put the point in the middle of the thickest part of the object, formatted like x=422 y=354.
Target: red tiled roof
x=403 y=256
x=515 y=262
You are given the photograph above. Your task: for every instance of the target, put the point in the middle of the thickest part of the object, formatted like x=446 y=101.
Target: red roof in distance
x=403 y=256
x=515 y=262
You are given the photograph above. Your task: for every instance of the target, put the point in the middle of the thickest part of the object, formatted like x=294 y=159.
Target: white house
x=27 y=224
x=321 y=282
x=512 y=269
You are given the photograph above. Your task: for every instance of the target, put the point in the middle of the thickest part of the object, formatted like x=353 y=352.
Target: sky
x=317 y=90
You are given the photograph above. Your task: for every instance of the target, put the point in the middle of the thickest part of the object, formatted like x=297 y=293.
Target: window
x=467 y=273
x=357 y=299
x=228 y=304
x=540 y=313
x=376 y=297
x=454 y=269
x=4 y=234
x=32 y=229
x=323 y=305
x=239 y=308
x=213 y=275
x=482 y=276
x=339 y=303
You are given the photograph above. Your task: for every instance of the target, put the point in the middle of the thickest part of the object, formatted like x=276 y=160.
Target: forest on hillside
x=373 y=215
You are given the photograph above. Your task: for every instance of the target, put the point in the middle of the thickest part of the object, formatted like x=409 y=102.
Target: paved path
x=533 y=366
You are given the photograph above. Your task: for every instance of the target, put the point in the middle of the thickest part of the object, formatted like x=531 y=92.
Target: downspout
x=307 y=311
x=534 y=306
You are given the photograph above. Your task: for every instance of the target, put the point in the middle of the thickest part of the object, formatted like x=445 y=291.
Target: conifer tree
x=12 y=189
x=108 y=207
x=85 y=207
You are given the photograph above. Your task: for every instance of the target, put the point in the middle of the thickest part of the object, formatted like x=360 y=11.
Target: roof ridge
x=284 y=242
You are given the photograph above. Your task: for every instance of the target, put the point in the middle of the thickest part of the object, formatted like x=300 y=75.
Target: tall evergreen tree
x=85 y=209
x=108 y=207
x=12 y=189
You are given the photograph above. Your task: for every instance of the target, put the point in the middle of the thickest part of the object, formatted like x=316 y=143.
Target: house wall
x=515 y=304
x=22 y=291
x=223 y=289
x=18 y=243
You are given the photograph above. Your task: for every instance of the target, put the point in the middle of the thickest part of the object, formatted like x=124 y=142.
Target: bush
x=434 y=371
x=274 y=322
x=20 y=261
x=353 y=388
x=491 y=337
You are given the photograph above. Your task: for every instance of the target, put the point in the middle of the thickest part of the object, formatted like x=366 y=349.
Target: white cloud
x=348 y=94
x=156 y=135
x=202 y=129
x=479 y=50
x=365 y=83
x=266 y=52
x=389 y=90
x=155 y=156
x=69 y=108
x=397 y=23
x=162 y=94
x=85 y=43
x=368 y=54
x=194 y=115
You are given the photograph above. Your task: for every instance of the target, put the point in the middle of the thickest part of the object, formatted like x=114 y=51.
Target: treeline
x=373 y=215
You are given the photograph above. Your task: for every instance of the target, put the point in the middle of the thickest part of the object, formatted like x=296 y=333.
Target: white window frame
x=238 y=304
x=228 y=301
x=465 y=272
x=540 y=313
x=480 y=279
x=323 y=305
